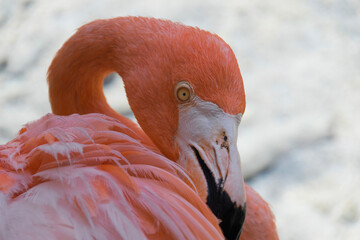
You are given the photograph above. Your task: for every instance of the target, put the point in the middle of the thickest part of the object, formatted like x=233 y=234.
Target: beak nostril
x=226 y=146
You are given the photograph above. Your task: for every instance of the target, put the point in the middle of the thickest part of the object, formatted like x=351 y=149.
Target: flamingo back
x=91 y=177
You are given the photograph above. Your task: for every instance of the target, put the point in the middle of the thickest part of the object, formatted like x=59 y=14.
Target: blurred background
x=300 y=59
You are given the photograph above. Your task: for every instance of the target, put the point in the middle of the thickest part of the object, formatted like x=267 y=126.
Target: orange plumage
x=95 y=171
x=99 y=176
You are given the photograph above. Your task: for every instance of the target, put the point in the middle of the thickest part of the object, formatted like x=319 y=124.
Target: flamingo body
x=91 y=177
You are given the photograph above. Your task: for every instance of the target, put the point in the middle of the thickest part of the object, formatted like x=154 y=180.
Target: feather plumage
x=91 y=177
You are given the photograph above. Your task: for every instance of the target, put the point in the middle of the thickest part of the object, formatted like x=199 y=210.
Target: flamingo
x=87 y=172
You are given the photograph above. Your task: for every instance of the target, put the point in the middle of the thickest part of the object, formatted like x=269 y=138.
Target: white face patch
x=213 y=133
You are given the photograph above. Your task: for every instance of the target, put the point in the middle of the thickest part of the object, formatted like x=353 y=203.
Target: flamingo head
x=188 y=96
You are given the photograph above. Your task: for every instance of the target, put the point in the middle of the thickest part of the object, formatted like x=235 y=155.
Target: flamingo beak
x=207 y=138
x=220 y=164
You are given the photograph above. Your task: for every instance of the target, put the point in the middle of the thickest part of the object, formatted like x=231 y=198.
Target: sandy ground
x=300 y=136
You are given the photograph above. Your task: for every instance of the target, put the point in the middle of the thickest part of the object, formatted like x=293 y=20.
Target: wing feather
x=91 y=177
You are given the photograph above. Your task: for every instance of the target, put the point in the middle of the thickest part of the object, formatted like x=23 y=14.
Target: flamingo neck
x=78 y=70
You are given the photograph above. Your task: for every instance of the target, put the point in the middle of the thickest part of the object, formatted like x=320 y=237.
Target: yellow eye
x=183 y=91
x=183 y=94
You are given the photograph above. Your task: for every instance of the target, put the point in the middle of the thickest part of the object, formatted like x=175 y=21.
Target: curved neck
x=76 y=74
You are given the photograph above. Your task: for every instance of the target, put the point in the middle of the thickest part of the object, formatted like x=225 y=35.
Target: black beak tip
x=233 y=221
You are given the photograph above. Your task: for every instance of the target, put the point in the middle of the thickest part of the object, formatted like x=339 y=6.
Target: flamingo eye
x=183 y=91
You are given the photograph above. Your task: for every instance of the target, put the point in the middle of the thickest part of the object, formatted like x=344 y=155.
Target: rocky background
x=300 y=59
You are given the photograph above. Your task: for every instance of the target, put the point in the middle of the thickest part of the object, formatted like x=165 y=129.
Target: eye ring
x=183 y=92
